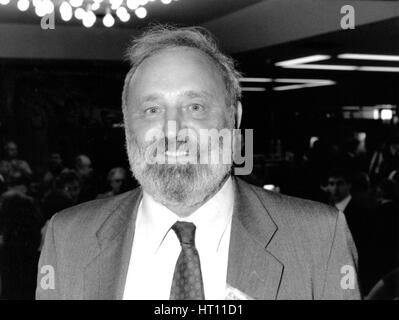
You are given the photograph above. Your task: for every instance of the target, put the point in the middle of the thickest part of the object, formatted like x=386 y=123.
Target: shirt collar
x=211 y=219
x=341 y=206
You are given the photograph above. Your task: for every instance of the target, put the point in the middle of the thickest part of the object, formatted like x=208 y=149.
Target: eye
x=152 y=110
x=196 y=108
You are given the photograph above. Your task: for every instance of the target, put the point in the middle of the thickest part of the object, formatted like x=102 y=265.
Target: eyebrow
x=197 y=94
x=189 y=94
x=151 y=97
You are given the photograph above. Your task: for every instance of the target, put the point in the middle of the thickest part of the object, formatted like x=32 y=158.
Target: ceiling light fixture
x=295 y=80
x=76 y=3
x=254 y=89
x=324 y=67
x=141 y=12
x=245 y=79
x=304 y=63
x=89 y=19
x=84 y=9
x=79 y=13
x=295 y=83
x=361 y=56
x=23 y=5
x=108 y=19
x=66 y=11
x=379 y=69
x=304 y=85
x=299 y=61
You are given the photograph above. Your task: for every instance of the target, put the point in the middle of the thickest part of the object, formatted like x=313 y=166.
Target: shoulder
x=294 y=214
x=88 y=217
x=289 y=205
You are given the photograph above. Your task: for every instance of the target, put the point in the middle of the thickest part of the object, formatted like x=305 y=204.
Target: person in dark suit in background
x=19 y=255
x=349 y=192
x=383 y=246
x=192 y=230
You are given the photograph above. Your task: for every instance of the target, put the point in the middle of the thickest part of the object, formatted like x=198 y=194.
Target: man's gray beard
x=177 y=185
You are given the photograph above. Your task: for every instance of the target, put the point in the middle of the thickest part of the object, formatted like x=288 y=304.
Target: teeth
x=176 y=153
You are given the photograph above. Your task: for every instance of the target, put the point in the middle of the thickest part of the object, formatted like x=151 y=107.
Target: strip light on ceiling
x=304 y=83
x=324 y=67
x=253 y=89
x=379 y=69
x=259 y=80
x=299 y=61
x=294 y=83
x=361 y=56
x=314 y=81
x=303 y=63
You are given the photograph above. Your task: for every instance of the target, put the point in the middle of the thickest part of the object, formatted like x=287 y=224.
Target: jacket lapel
x=105 y=275
x=252 y=268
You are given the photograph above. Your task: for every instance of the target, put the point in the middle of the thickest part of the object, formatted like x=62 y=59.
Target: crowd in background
x=27 y=202
x=364 y=185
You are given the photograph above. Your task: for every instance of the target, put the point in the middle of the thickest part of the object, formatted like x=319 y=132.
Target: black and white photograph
x=216 y=150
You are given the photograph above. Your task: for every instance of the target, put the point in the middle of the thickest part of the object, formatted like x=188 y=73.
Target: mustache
x=154 y=152
x=166 y=144
x=173 y=144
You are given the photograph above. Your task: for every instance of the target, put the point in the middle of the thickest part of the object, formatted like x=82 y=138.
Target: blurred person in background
x=3 y=186
x=19 y=225
x=19 y=185
x=55 y=166
x=89 y=181
x=83 y=167
x=339 y=189
x=385 y=160
x=349 y=192
x=383 y=249
x=117 y=180
x=12 y=167
x=64 y=194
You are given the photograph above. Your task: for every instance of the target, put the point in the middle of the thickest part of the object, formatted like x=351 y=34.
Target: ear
x=238 y=115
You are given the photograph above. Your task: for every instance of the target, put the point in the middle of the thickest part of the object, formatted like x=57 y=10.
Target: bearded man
x=192 y=230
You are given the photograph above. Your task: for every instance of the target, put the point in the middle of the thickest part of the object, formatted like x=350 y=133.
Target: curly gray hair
x=162 y=37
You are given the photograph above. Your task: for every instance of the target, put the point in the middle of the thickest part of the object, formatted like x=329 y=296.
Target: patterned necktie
x=187 y=279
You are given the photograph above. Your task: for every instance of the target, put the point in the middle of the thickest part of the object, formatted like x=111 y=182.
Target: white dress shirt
x=341 y=206
x=156 y=247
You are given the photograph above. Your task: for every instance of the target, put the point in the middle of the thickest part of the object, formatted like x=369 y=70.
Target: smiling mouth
x=176 y=153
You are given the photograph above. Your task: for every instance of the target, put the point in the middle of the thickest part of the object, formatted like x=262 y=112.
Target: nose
x=172 y=123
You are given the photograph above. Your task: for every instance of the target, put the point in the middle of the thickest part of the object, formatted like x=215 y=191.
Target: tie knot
x=185 y=231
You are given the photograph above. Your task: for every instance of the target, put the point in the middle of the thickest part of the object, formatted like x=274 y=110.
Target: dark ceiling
x=352 y=87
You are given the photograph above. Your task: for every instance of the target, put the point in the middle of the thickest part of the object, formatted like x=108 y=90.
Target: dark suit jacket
x=280 y=248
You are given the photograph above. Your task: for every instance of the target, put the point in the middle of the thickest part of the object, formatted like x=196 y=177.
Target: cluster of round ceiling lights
x=85 y=10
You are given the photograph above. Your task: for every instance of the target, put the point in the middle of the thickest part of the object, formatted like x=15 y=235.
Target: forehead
x=177 y=69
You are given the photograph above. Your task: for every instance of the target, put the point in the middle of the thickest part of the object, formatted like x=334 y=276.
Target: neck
x=185 y=211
